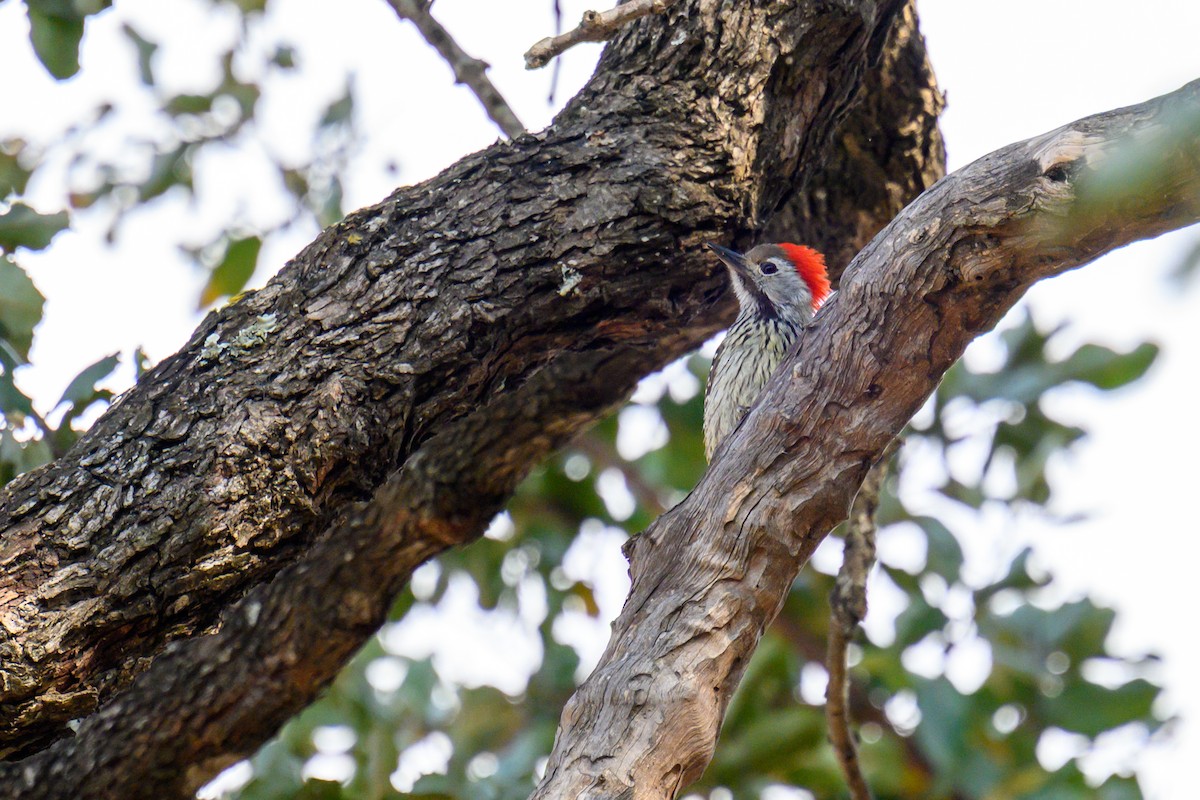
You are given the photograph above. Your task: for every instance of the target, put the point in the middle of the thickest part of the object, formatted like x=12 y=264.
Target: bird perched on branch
x=779 y=288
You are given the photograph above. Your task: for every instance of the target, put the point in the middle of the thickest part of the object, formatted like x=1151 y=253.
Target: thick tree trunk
x=222 y=540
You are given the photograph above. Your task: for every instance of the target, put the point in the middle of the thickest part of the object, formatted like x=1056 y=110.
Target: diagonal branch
x=468 y=71
x=210 y=553
x=711 y=574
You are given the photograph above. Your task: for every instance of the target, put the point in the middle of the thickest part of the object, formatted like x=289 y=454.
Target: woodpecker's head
x=777 y=280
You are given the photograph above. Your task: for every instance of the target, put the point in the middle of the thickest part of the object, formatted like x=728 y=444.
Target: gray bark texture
x=216 y=547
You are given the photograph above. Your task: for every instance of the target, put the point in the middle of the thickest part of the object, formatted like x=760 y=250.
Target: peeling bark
x=203 y=561
x=711 y=574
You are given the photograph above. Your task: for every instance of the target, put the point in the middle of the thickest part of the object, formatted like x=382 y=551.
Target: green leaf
x=1066 y=784
x=277 y=774
x=13 y=176
x=145 y=52
x=770 y=676
x=1025 y=638
x=230 y=276
x=55 y=39
x=1118 y=788
x=168 y=169
x=1087 y=708
x=330 y=210
x=917 y=621
x=971 y=496
x=1188 y=266
x=188 y=104
x=1106 y=369
x=1032 y=442
x=1136 y=167
x=285 y=57
x=1027 y=374
x=21 y=226
x=1085 y=627
x=12 y=401
x=248 y=6
x=339 y=110
x=979 y=774
x=944 y=555
x=55 y=28
x=17 y=457
x=295 y=181
x=81 y=392
x=141 y=363
x=1018 y=578
x=20 y=307
x=945 y=721
x=246 y=95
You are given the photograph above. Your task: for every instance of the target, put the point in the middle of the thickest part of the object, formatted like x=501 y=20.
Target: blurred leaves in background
x=55 y=29
x=979 y=681
x=21 y=226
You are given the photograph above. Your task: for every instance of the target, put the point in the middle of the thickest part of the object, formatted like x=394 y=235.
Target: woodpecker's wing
x=712 y=370
x=717 y=426
x=709 y=422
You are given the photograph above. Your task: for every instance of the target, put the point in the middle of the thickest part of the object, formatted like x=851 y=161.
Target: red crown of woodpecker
x=810 y=266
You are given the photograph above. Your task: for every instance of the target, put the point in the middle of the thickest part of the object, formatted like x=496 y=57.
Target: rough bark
x=887 y=152
x=219 y=543
x=712 y=573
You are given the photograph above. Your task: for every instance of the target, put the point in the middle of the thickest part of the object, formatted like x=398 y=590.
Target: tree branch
x=218 y=544
x=711 y=574
x=467 y=70
x=848 y=608
x=596 y=26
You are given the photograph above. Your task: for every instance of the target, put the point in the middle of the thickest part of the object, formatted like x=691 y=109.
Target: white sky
x=1011 y=70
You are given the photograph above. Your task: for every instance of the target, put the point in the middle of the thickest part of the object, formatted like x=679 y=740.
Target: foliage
x=411 y=717
x=55 y=29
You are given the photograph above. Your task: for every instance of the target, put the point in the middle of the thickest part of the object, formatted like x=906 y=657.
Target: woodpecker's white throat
x=779 y=288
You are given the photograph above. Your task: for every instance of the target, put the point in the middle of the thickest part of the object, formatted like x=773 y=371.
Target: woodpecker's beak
x=732 y=259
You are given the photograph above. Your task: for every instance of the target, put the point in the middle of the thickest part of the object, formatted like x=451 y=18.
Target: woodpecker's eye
x=768 y=268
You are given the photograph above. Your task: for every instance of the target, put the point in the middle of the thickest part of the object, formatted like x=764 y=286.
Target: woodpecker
x=779 y=288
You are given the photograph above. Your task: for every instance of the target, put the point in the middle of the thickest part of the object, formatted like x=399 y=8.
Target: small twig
x=848 y=606
x=468 y=71
x=812 y=647
x=557 y=71
x=596 y=26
